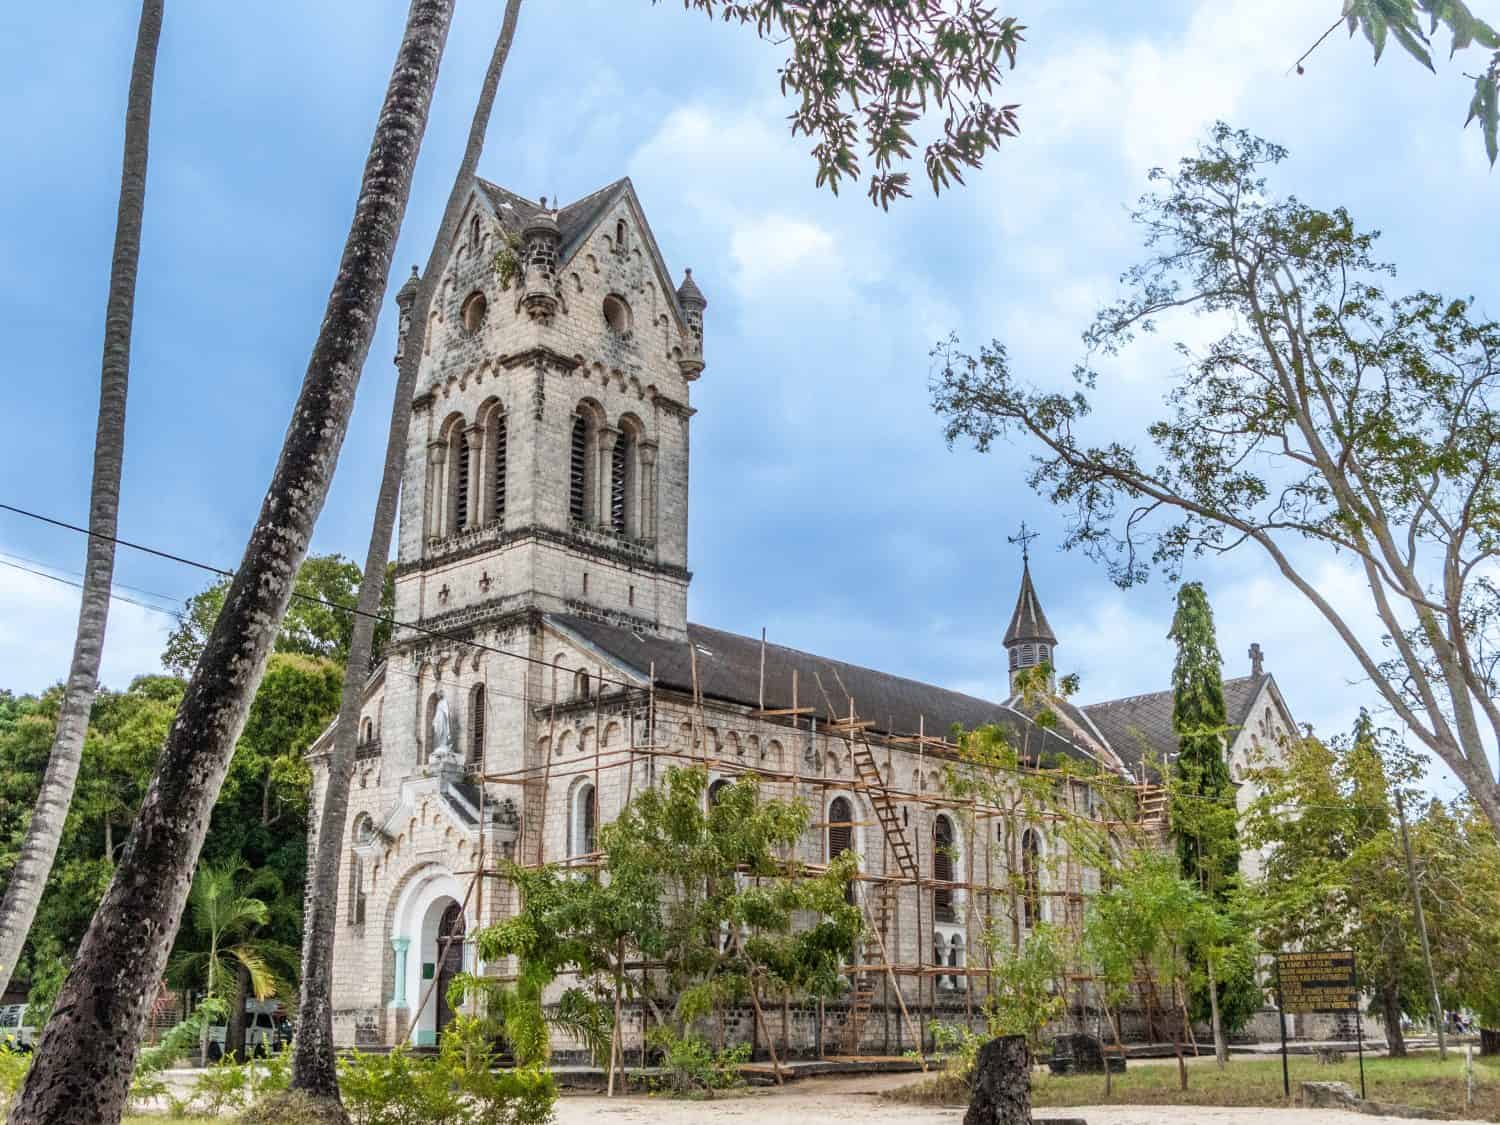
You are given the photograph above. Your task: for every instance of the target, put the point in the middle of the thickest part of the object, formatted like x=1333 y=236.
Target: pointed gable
x=578 y=220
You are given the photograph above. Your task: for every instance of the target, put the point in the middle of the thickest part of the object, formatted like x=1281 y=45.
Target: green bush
x=293 y=1107
x=13 y=1067
x=690 y=1067
x=460 y=1087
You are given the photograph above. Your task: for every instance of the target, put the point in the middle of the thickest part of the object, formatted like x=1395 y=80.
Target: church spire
x=1029 y=639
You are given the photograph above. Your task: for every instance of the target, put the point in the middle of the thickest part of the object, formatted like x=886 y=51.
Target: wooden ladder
x=885 y=809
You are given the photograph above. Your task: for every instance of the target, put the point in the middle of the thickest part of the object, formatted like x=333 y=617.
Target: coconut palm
x=39 y=848
x=225 y=912
x=87 y=1052
x=313 y=1058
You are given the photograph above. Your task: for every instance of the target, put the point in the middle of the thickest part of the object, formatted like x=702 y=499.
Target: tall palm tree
x=87 y=1051
x=39 y=848
x=225 y=914
x=313 y=1060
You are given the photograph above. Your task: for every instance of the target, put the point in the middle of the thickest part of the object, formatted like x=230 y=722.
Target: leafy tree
x=867 y=72
x=1381 y=20
x=1326 y=417
x=314 y=624
x=705 y=888
x=28 y=878
x=1143 y=927
x=1202 y=805
x=225 y=913
x=1026 y=992
x=1336 y=876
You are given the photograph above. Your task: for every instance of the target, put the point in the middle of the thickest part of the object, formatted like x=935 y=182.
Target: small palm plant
x=224 y=914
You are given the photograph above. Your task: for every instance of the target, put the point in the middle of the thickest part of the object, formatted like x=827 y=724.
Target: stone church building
x=549 y=669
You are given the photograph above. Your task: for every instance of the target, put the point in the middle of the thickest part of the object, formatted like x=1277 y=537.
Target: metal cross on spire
x=1024 y=538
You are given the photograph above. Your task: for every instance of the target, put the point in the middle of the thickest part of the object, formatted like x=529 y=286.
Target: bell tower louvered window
x=497 y=503
x=578 y=464
x=476 y=725
x=942 y=869
x=619 y=483
x=461 y=484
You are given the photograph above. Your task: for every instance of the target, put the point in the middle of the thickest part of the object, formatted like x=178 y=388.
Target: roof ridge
x=849 y=664
x=1163 y=691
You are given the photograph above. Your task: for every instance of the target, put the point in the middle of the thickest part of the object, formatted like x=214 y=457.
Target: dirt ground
x=817 y=1101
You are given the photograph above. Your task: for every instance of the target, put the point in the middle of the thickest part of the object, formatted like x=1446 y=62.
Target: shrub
x=691 y=1067
x=293 y=1107
x=459 y=1087
x=13 y=1066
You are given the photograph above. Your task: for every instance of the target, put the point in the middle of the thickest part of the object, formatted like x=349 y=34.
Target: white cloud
x=773 y=250
x=38 y=620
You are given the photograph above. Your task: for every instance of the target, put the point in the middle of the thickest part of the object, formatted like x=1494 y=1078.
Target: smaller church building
x=547 y=669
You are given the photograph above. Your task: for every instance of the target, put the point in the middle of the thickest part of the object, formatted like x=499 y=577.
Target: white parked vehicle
x=265 y=1031
x=14 y=1030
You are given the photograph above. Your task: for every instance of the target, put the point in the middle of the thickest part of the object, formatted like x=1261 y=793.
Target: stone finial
x=1257 y=665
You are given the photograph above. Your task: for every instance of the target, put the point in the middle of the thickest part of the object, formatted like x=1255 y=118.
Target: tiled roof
x=729 y=671
x=1141 y=725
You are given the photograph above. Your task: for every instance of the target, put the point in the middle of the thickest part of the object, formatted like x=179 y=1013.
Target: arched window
x=581 y=684
x=461 y=479
x=840 y=827
x=366 y=733
x=622 y=483
x=942 y=869
x=619 y=236
x=1031 y=878
x=585 y=815
x=476 y=725
x=474 y=236
x=716 y=791
x=473 y=312
x=578 y=470
x=498 y=451
x=364 y=832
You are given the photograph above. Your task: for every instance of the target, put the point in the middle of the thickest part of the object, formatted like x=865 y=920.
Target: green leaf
x=1486 y=107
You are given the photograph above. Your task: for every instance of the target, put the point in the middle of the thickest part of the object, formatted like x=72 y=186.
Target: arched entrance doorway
x=450 y=962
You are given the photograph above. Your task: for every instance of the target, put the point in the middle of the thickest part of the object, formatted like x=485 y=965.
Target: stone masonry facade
x=542 y=570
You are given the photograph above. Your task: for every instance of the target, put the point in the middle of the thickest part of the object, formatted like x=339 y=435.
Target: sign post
x=1322 y=981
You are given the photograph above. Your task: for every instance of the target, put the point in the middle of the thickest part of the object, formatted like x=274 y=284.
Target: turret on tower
x=693 y=303
x=1029 y=639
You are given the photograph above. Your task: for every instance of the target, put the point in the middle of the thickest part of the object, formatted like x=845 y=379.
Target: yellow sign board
x=1318 y=982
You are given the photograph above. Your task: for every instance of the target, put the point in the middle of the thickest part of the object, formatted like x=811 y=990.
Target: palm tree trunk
x=87 y=1051
x=313 y=1058
x=24 y=891
x=234 y=1028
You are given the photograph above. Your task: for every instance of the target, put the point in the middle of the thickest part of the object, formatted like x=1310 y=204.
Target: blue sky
x=825 y=506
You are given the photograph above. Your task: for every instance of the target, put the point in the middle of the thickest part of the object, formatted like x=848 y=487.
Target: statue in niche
x=442 y=728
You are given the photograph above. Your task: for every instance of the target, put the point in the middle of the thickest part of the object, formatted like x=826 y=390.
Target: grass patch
x=1420 y=1080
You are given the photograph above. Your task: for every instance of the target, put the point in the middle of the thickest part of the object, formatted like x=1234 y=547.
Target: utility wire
x=379 y=618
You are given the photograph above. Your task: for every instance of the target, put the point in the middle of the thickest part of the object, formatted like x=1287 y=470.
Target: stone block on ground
x=1341 y=1095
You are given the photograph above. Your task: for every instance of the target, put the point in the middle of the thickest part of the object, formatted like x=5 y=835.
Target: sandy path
x=816 y=1101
